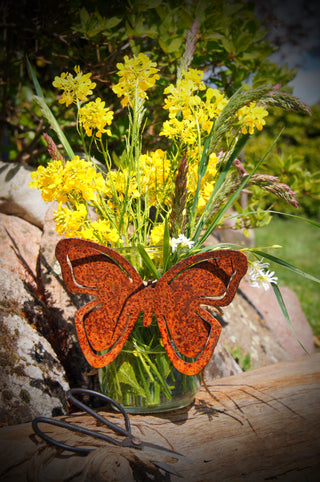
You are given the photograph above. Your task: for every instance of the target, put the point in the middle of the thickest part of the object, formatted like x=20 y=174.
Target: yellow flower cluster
x=50 y=180
x=181 y=97
x=69 y=222
x=110 y=209
x=252 y=116
x=157 y=234
x=100 y=231
x=207 y=183
x=121 y=185
x=76 y=186
x=189 y=114
x=74 y=181
x=95 y=116
x=76 y=88
x=155 y=177
x=137 y=75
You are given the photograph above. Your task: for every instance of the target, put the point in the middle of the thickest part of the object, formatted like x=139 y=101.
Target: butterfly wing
x=104 y=323
x=189 y=331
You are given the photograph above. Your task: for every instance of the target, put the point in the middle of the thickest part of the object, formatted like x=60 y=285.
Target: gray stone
x=16 y=197
x=32 y=380
x=221 y=364
x=19 y=247
x=247 y=332
x=267 y=304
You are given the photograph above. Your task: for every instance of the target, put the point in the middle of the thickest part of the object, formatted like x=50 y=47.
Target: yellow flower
x=180 y=97
x=81 y=178
x=50 y=180
x=77 y=180
x=204 y=195
x=157 y=234
x=100 y=231
x=184 y=131
x=252 y=116
x=189 y=115
x=207 y=183
x=119 y=184
x=137 y=75
x=95 y=115
x=215 y=102
x=155 y=177
x=70 y=221
x=76 y=88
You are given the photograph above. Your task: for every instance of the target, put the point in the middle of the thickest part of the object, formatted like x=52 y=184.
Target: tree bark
x=263 y=424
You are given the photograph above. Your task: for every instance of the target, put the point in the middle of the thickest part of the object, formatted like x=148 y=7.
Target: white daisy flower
x=181 y=240
x=259 y=275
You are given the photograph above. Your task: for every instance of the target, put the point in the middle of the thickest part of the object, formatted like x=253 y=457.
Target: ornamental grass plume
x=179 y=199
x=268 y=183
x=52 y=148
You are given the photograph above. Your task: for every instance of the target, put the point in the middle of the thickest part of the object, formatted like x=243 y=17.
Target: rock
x=32 y=380
x=19 y=247
x=17 y=197
x=12 y=291
x=267 y=304
x=246 y=332
x=221 y=364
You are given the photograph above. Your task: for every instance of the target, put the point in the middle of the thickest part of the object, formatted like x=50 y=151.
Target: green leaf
x=301 y=218
x=112 y=22
x=283 y=307
x=127 y=375
x=54 y=124
x=286 y=265
x=166 y=245
x=164 y=365
x=34 y=79
x=148 y=262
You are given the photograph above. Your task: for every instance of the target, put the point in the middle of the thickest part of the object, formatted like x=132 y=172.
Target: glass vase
x=142 y=377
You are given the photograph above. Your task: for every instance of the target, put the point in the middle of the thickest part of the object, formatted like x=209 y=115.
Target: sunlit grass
x=301 y=247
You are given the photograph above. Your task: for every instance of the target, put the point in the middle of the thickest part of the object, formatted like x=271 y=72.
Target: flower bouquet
x=155 y=208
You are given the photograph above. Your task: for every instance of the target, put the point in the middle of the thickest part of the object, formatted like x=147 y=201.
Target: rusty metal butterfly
x=189 y=331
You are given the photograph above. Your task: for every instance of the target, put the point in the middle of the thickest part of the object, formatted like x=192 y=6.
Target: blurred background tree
x=231 y=48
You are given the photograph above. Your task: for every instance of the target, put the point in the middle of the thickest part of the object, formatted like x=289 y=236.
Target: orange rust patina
x=177 y=300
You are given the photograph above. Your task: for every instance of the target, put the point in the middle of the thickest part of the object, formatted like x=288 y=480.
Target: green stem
x=144 y=381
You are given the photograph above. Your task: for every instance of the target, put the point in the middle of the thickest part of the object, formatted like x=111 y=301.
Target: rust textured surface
x=178 y=301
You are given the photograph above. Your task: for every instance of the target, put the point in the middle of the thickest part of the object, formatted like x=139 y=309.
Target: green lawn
x=300 y=243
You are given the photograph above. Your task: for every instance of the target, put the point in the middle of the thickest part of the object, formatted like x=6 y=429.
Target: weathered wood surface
x=261 y=425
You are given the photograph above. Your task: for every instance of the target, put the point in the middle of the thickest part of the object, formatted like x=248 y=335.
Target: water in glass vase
x=142 y=378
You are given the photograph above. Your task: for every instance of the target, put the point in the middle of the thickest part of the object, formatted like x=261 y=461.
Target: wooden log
x=260 y=425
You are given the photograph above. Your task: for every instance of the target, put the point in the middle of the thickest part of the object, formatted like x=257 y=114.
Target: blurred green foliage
x=300 y=246
x=294 y=159
x=244 y=360
x=231 y=47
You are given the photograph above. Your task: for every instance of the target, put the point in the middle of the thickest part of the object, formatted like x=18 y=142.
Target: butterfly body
x=178 y=301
